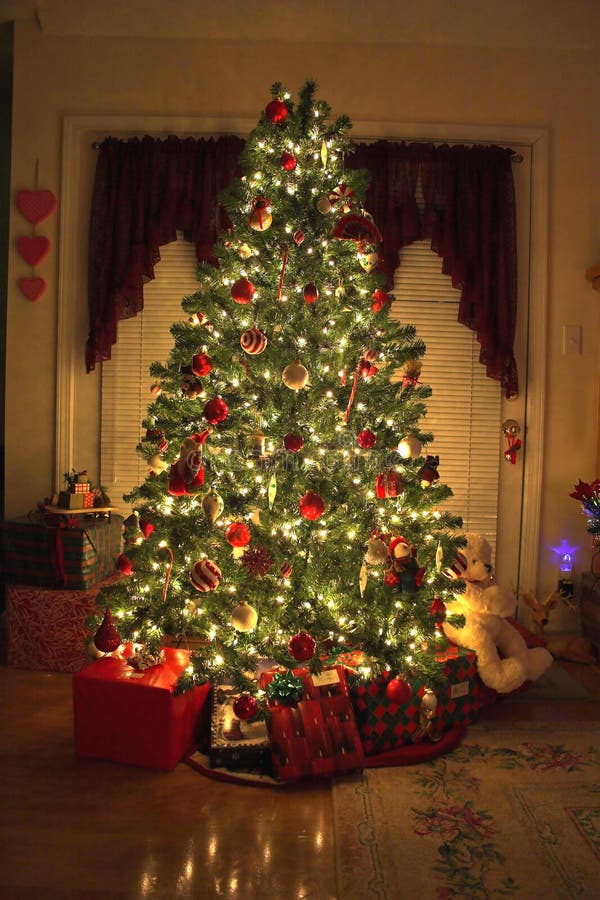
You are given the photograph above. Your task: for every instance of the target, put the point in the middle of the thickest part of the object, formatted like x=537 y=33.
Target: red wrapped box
x=133 y=717
x=46 y=629
x=317 y=736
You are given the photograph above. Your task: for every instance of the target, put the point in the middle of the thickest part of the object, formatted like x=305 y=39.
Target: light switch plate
x=571 y=339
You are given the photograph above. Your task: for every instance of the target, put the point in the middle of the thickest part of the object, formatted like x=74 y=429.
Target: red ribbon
x=258 y=205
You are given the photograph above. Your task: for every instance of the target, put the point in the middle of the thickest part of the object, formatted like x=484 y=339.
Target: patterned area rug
x=514 y=812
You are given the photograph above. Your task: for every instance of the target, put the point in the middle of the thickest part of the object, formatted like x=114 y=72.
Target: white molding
x=78 y=129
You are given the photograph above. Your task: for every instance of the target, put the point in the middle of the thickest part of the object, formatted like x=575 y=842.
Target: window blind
x=464 y=410
x=126 y=382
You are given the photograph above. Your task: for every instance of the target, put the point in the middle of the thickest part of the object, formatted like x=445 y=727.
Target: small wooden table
x=90 y=511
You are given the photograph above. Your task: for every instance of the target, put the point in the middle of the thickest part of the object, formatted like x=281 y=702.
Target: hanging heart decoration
x=36 y=206
x=32 y=288
x=33 y=249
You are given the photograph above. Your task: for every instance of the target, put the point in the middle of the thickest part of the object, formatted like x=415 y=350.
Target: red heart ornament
x=33 y=249
x=33 y=288
x=36 y=205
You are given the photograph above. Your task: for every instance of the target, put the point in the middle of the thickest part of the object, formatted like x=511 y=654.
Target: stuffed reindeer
x=562 y=645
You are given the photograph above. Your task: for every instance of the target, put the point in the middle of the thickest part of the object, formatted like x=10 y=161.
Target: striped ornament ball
x=205 y=575
x=253 y=341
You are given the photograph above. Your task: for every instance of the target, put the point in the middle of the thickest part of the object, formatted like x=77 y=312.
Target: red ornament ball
x=242 y=290
x=293 y=442
x=286 y=568
x=146 y=528
x=107 y=638
x=366 y=440
x=381 y=299
x=311 y=294
x=201 y=364
x=302 y=646
x=276 y=111
x=237 y=534
x=398 y=691
x=205 y=575
x=253 y=341
x=288 y=161
x=124 y=565
x=216 y=410
x=312 y=505
x=388 y=484
x=245 y=706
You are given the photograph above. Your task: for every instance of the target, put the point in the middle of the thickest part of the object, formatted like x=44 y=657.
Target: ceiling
x=562 y=24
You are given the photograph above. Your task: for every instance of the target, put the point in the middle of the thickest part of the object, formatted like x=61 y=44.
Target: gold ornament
x=244 y=251
x=324 y=205
x=244 y=617
x=368 y=261
x=363 y=578
x=213 y=506
x=295 y=376
x=377 y=552
x=410 y=447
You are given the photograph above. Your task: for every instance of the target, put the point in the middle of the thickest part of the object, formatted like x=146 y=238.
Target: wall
x=558 y=89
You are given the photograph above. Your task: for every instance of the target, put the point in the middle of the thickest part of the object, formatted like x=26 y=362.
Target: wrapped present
x=46 y=629
x=317 y=735
x=88 y=500
x=62 y=552
x=427 y=714
x=236 y=744
x=70 y=500
x=134 y=717
x=81 y=487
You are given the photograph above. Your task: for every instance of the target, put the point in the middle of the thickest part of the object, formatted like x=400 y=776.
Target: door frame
x=79 y=132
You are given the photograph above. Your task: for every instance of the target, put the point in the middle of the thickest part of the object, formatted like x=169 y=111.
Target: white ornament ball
x=410 y=447
x=212 y=506
x=377 y=552
x=324 y=205
x=244 y=617
x=295 y=376
x=205 y=575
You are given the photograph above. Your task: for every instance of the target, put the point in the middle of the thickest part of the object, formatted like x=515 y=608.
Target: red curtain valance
x=145 y=190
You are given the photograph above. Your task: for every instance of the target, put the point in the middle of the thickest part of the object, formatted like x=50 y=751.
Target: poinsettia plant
x=589 y=497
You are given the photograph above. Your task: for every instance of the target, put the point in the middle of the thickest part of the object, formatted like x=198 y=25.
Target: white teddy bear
x=485 y=606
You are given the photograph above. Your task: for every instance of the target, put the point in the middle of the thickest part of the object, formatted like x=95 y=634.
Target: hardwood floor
x=85 y=830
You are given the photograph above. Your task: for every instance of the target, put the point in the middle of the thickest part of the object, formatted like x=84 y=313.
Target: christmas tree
x=291 y=510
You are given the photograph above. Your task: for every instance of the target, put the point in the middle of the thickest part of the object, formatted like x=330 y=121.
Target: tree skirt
x=512 y=812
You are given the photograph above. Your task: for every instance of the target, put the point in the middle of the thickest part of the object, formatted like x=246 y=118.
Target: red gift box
x=133 y=717
x=317 y=736
x=46 y=629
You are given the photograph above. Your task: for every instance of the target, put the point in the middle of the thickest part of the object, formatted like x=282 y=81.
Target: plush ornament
x=302 y=646
x=295 y=376
x=381 y=300
x=293 y=442
x=157 y=435
x=399 y=548
x=398 y=691
x=107 y=638
x=258 y=561
x=205 y=575
x=186 y=475
x=244 y=617
x=260 y=218
x=201 y=365
x=388 y=484
x=146 y=528
x=242 y=291
x=311 y=294
x=410 y=373
x=485 y=606
x=405 y=566
x=437 y=609
x=253 y=341
x=342 y=195
x=286 y=569
x=191 y=387
x=368 y=261
x=298 y=237
x=366 y=440
x=237 y=534
x=312 y=505
x=245 y=707
x=288 y=161
x=212 y=506
x=216 y=410
x=276 y=111
x=410 y=447
x=377 y=552
x=324 y=205
x=124 y=565
x=428 y=472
